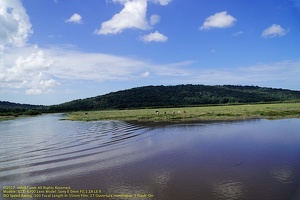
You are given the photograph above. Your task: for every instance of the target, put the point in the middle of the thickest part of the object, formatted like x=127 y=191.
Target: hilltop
x=179 y=95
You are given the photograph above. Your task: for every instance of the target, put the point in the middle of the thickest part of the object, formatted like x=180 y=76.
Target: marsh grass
x=220 y=112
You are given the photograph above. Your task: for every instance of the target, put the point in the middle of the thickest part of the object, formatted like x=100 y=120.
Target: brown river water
x=240 y=160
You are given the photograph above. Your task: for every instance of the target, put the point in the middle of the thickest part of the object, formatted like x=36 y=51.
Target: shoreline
x=180 y=115
x=192 y=121
x=4 y=118
x=192 y=114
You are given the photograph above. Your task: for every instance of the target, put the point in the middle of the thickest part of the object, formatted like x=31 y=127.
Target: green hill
x=9 y=108
x=179 y=95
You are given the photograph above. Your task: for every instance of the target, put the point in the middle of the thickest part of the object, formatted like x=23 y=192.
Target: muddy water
x=253 y=159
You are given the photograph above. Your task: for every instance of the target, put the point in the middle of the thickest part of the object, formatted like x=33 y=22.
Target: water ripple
x=45 y=145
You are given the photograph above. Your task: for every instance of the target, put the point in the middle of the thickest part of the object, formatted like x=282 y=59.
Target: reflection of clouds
x=282 y=174
x=229 y=190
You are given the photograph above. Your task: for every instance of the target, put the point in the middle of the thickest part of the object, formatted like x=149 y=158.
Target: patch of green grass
x=224 y=112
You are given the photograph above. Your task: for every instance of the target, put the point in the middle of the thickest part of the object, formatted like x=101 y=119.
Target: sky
x=54 y=51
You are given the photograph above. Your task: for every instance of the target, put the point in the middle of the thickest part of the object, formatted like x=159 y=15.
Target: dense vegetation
x=161 y=96
x=14 y=109
x=180 y=95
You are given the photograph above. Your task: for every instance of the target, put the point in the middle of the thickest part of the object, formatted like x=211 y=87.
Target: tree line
x=179 y=95
x=9 y=108
x=161 y=96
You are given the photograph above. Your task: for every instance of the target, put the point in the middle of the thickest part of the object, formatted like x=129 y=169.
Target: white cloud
x=37 y=70
x=40 y=86
x=154 y=37
x=154 y=19
x=133 y=16
x=15 y=26
x=218 y=20
x=70 y=64
x=24 y=69
x=75 y=18
x=274 y=30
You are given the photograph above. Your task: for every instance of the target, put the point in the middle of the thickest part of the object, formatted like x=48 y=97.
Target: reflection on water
x=254 y=159
x=32 y=146
x=229 y=190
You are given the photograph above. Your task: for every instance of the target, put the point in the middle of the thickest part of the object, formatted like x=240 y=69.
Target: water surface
x=253 y=159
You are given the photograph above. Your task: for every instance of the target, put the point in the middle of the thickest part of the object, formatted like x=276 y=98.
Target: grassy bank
x=2 y=118
x=225 y=112
x=14 y=115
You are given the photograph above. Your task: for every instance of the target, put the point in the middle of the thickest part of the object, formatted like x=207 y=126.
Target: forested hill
x=6 y=106
x=180 y=95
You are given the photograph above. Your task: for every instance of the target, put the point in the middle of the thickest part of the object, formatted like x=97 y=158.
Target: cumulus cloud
x=274 y=30
x=132 y=16
x=21 y=65
x=75 y=18
x=218 y=20
x=15 y=24
x=154 y=37
x=40 y=86
x=25 y=69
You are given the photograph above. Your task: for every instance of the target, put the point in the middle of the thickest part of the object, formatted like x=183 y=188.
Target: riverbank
x=207 y=113
x=10 y=116
x=2 y=118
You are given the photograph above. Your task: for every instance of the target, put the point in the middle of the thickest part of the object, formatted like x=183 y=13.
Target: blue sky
x=53 y=51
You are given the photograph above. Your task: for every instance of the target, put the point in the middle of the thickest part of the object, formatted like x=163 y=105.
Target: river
x=241 y=160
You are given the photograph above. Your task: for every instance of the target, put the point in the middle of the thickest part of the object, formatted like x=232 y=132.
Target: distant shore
x=10 y=116
x=2 y=118
x=183 y=114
